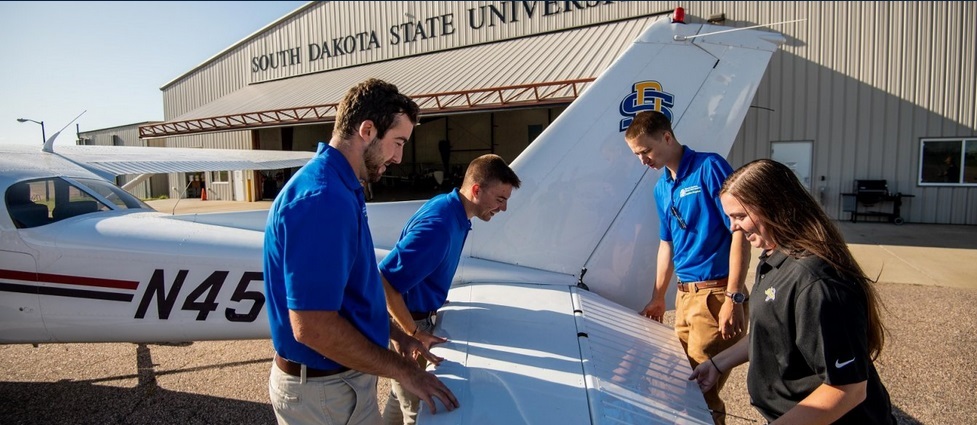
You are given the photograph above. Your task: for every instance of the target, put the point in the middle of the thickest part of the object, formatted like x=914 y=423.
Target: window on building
x=219 y=176
x=948 y=162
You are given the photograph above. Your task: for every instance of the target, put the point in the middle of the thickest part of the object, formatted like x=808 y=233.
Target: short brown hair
x=489 y=169
x=374 y=100
x=649 y=122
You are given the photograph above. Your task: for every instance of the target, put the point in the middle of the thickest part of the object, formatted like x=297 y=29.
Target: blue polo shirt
x=701 y=250
x=423 y=263
x=318 y=255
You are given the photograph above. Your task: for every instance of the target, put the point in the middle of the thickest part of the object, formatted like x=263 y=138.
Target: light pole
x=43 y=135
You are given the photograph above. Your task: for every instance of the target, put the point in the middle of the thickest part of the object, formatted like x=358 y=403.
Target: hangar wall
x=865 y=84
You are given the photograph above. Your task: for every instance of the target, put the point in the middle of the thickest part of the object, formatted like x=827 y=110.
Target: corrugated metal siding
x=325 y=21
x=546 y=58
x=379 y=31
x=866 y=81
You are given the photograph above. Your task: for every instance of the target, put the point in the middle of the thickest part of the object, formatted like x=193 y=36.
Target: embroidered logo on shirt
x=771 y=294
x=840 y=364
x=691 y=190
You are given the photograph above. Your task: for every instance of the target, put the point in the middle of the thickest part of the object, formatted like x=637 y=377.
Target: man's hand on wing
x=655 y=309
x=428 y=387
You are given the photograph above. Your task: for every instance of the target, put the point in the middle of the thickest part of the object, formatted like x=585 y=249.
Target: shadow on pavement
x=904 y=418
x=88 y=402
x=910 y=234
x=70 y=402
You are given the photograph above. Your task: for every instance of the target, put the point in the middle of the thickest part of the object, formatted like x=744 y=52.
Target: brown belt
x=295 y=369
x=421 y=315
x=705 y=284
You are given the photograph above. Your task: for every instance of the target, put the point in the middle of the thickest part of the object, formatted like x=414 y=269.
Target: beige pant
x=344 y=398
x=402 y=406
x=697 y=327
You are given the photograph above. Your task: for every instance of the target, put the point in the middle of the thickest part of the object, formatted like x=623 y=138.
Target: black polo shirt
x=807 y=327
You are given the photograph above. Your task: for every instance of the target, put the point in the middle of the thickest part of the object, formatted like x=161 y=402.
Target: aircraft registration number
x=203 y=298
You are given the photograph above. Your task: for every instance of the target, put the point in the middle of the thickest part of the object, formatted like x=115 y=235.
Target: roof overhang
x=547 y=69
x=548 y=93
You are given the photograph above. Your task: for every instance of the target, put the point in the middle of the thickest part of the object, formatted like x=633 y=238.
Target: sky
x=58 y=59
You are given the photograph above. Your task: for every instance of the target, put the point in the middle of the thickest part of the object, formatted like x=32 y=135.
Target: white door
x=239 y=184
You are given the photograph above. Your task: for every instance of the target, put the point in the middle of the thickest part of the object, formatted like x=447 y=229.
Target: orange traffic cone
x=203 y=194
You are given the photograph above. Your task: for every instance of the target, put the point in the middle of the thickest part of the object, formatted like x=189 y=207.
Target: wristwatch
x=737 y=297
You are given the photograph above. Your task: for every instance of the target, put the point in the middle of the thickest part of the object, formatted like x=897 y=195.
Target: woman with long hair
x=815 y=330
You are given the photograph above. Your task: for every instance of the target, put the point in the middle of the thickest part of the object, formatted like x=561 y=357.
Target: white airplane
x=83 y=261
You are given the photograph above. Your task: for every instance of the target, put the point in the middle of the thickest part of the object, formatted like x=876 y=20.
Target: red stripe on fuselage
x=70 y=280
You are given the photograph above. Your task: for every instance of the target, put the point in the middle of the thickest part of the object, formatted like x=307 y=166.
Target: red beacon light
x=678 y=17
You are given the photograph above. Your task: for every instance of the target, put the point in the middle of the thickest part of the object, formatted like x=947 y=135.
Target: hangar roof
x=552 y=68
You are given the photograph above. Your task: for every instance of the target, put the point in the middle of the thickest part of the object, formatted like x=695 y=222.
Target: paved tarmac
x=926 y=280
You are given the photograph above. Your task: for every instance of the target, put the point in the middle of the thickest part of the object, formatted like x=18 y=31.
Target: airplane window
x=25 y=205
x=70 y=201
x=121 y=199
x=39 y=202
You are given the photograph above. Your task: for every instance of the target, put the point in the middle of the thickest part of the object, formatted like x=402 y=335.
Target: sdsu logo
x=645 y=96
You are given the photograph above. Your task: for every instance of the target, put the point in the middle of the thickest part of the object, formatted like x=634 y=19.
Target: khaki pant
x=697 y=327
x=344 y=398
x=402 y=406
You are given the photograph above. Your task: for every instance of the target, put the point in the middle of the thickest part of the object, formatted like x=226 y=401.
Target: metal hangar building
x=861 y=91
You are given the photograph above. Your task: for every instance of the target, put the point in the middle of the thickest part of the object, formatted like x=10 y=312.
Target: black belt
x=422 y=315
x=295 y=369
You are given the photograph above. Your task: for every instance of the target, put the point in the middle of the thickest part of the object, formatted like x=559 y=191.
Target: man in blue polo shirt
x=328 y=321
x=696 y=244
x=418 y=271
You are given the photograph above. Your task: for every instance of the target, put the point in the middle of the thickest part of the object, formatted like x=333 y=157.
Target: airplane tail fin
x=586 y=201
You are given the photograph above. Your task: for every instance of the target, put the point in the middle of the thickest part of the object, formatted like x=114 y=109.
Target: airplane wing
x=548 y=354
x=111 y=161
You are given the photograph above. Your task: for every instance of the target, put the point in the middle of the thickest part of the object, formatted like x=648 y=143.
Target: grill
x=873 y=193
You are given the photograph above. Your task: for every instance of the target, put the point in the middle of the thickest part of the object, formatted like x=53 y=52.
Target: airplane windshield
x=121 y=199
x=39 y=202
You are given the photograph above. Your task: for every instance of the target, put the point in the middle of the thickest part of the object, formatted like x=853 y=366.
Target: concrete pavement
x=923 y=254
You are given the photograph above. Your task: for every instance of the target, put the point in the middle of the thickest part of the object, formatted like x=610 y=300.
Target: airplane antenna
x=686 y=37
x=580 y=283
x=49 y=143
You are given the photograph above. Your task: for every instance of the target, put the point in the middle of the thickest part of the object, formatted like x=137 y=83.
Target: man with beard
x=419 y=269
x=326 y=308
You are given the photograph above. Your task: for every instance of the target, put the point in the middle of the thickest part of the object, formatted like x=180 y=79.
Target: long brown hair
x=798 y=225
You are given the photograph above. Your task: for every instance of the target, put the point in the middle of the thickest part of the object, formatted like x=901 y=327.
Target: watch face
x=738 y=297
